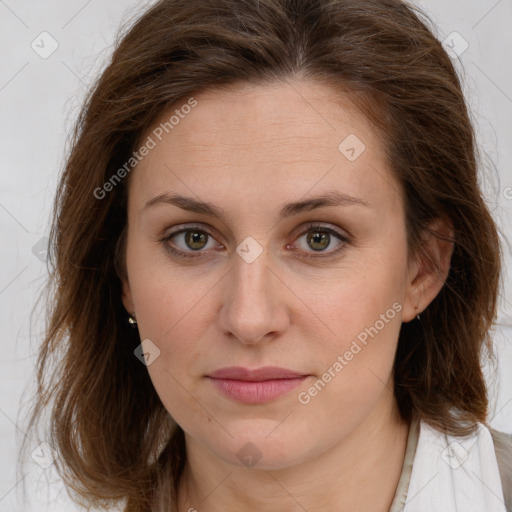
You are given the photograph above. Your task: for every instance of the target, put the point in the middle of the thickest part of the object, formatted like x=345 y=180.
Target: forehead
x=248 y=117
x=253 y=142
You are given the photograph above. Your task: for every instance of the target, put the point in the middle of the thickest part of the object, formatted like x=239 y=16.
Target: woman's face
x=258 y=286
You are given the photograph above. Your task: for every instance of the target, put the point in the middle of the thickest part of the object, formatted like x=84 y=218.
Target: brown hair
x=114 y=436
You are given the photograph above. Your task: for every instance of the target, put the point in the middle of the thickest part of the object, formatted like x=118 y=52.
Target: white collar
x=454 y=474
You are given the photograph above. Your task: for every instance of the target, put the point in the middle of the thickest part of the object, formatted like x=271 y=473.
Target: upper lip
x=254 y=375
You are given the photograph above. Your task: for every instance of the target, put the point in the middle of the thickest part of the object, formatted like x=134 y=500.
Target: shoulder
x=503 y=447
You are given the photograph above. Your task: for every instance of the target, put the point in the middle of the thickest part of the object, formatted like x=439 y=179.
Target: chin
x=261 y=447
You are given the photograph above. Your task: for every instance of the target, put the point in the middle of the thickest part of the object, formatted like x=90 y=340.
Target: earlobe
x=431 y=268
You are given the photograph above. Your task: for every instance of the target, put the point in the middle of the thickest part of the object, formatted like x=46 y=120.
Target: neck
x=361 y=472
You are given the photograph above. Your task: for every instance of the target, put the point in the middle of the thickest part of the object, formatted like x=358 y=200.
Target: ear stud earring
x=132 y=321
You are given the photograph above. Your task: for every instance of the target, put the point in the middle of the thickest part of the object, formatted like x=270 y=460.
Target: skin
x=250 y=149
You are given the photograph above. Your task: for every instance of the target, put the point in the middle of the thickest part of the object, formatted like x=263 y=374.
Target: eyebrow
x=287 y=210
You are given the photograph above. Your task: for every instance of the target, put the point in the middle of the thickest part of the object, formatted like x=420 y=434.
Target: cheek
x=356 y=364
x=166 y=297
x=361 y=299
x=357 y=361
x=361 y=316
x=170 y=308
x=172 y=316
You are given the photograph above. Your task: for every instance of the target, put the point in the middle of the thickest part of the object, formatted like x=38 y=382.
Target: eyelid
x=321 y=227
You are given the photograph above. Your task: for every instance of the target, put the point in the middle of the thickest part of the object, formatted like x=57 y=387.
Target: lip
x=255 y=375
x=255 y=386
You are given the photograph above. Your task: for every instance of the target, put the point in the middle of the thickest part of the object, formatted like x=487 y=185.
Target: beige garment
x=410 y=450
x=503 y=448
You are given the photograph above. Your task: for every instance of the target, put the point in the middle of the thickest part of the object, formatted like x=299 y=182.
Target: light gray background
x=39 y=98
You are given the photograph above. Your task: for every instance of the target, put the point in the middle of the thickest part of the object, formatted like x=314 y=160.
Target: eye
x=193 y=240
x=319 y=238
x=189 y=242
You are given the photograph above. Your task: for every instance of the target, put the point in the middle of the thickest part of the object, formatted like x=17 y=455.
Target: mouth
x=255 y=386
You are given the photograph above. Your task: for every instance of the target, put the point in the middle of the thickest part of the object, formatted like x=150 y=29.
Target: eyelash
x=311 y=227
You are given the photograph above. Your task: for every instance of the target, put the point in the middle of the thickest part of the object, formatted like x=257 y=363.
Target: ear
x=126 y=296
x=120 y=266
x=429 y=271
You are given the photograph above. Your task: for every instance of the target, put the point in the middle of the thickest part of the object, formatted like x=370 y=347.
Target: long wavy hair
x=115 y=439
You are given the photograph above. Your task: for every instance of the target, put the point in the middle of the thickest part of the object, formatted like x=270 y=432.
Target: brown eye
x=318 y=240
x=196 y=239
x=189 y=242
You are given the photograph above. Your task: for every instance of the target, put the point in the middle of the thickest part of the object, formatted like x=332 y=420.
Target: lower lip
x=258 y=392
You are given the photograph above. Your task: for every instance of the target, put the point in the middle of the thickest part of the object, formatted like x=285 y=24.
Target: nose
x=254 y=308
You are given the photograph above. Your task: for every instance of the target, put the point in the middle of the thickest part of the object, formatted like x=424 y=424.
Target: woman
x=274 y=272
